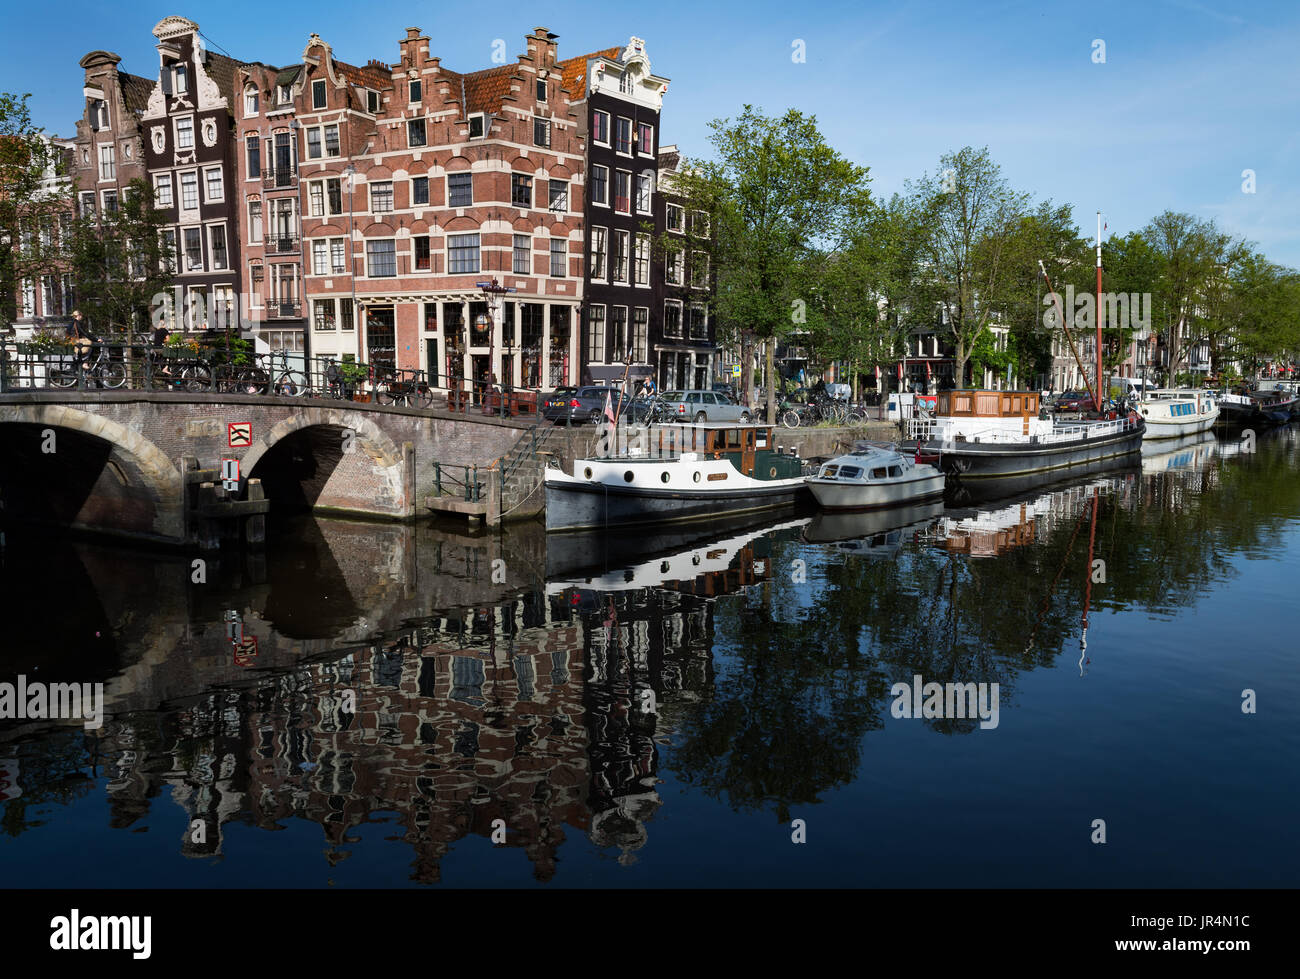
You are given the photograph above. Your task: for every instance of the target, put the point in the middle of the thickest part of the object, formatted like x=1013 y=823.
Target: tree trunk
x=771 y=382
x=747 y=369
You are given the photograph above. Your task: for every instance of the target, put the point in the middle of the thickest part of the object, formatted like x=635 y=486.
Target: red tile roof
x=573 y=71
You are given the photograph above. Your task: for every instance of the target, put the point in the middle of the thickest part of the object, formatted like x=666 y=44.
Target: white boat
x=1171 y=413
x=729 y=470
x=874 y=476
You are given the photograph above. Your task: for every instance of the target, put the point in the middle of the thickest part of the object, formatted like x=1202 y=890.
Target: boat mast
x=1097 y=397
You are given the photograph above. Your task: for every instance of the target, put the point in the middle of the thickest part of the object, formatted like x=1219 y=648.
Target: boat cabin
x=750 y=448
x=969 y=412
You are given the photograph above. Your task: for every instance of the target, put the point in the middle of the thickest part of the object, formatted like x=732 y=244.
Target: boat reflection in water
x=965 y=493
x=877 y=533
x=1189 y=452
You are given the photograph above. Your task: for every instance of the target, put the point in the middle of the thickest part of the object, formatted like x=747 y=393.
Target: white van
x=1132 y=388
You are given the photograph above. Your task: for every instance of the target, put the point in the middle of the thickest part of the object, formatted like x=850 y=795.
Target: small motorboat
x=874 y=475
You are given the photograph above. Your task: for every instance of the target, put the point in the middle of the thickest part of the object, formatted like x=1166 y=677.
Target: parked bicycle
x=401 y=387
x=178 y=371
x=282 y=379
x=95 y=366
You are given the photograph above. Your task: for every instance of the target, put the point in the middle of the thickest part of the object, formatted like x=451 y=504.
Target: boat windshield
x=850 y=472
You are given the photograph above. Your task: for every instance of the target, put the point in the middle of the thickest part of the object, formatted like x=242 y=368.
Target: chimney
x=541 y=47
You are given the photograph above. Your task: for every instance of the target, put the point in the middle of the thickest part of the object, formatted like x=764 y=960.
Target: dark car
x=1072 y=401
x=577 y=406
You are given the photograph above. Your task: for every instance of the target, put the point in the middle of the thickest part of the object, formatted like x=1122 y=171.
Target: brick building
x=684 y=338
x=44 y=289
x=415 y=183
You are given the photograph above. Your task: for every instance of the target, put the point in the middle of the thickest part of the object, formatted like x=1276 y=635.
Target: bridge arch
x=106 y=476
x=331 y=459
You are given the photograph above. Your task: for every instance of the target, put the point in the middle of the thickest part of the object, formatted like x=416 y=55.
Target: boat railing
x=1061 y=433
x=920 y=428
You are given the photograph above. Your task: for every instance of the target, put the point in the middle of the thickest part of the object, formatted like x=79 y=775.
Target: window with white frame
x=313 y=144
x=190 y=191
x=251 y=106
x=213 y=186
x=381 y=258
x=381 y=196
x=422 y=253
x=419 y=190
x=414 y=90
x=623 y=136
x=699 y=322
x=217 y=246
x=29 y=298
x=521 y=190
x=322 y=315
x=541 y=90
x=253 y=152
x=645 y=139
x=372 y=101
x=110 y=201
x=332 y=140
x=168 y=248
x=559 y=257
x=180 y=81
x=462 y=254
x=600 y=127
x=699 y=224
x=623 y=191
x=285 y=94
x=107 y=163
x=254 y=222
x=558 y=195
x=617 y=333
x=460 y=190
x=673 y=218
x=319 y=96
x=598 y=250
x=541 y=131
x=256 y=280
x=644 y=182
x=641 y=261
x=162 y=190
x=185 y=133
x=87 y=203
x=699 y=270
x=415 y=132
x=599 y=184
x=672 y=318
x=477 y=125
x=596 y=333
x=320 y=256
x=522 y=255
x=673 y=263
x=193 y=249
x=618 y=260
x=640 y=331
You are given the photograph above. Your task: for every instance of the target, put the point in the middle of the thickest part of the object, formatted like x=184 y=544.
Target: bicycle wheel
x=385 y=395
x=196 y=378
x=290 y=384
x=61 y=377
x=112 y=374
x=423 y=397
x=854 y=418
x=252 y=381
x=790 y=419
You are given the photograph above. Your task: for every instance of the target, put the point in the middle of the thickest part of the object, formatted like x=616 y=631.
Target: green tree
x=975 y=217
x=33 y=201
x=120 y=263
x=775 y=195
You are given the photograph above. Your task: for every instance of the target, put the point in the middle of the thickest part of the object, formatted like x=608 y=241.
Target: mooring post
x=206 y=528
x=255 y=526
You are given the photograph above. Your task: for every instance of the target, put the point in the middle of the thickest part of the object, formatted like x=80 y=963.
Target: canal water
x=378 y=706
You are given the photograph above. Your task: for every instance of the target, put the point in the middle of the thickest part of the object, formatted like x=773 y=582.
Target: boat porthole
x=696 y=477
x=587 y=472
x=627 y=476
x=665 y=477
x=771 y=473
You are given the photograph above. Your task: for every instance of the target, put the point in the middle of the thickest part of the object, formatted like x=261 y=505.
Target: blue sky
x=1190 y=95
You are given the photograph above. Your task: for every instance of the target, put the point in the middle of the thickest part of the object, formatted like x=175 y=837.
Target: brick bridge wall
x=117 y=459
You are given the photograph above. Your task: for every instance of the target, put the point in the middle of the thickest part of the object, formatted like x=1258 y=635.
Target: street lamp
x=492 y=293
x=349 y=172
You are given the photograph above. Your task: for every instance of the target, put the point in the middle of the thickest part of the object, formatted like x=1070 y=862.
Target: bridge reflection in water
x=447 y=685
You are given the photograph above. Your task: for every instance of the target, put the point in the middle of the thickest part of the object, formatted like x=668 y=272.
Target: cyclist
x=158 y=341
x=83 y=341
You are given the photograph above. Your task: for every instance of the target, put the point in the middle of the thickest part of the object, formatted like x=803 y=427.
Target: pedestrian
x=83 y=341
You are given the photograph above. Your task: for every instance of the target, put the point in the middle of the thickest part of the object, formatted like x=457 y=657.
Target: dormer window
x=251 y=101
x=285 y=94
x=625 y=82
x=477 y=124
x=372 y=102
x=98 y=114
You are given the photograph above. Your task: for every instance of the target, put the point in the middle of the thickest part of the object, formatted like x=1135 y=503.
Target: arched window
x=250 y=100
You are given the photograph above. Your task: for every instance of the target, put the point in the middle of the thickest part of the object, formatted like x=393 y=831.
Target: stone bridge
x=130 y=463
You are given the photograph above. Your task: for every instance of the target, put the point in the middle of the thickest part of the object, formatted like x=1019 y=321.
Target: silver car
x=704 y=406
